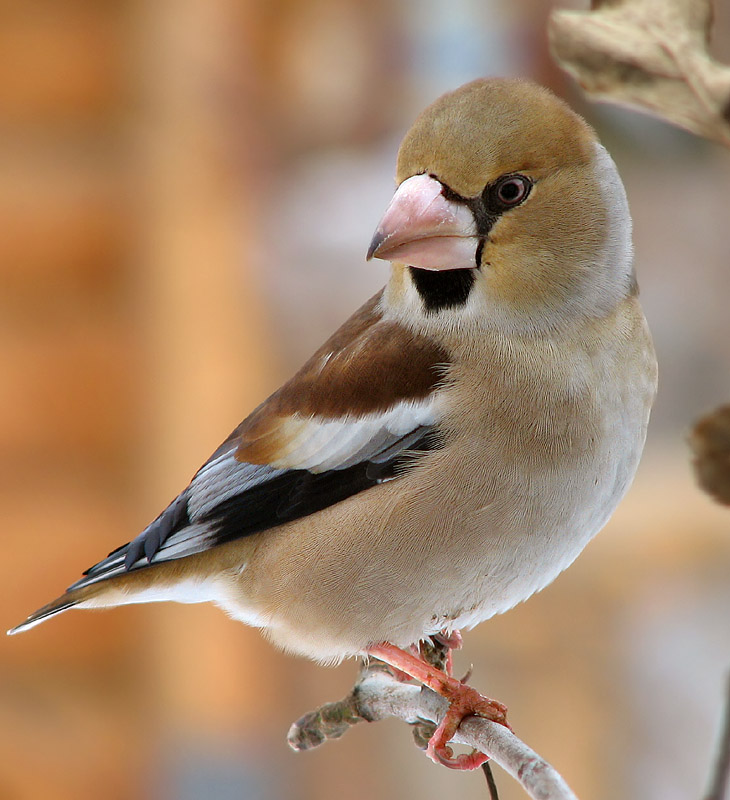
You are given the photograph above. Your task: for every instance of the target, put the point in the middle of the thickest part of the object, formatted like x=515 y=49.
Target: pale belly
x=555 y=511
x=454 y=565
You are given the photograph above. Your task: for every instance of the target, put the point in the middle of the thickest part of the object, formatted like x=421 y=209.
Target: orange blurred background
x=187 y=191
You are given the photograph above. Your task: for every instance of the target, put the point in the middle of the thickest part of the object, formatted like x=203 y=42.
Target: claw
x=464 y=761
x=451 y=640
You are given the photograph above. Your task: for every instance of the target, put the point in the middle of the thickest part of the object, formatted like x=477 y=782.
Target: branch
x=648 y=54
x=720 y=775
x=378 y=695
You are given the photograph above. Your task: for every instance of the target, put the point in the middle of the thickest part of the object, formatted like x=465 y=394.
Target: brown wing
x=369 y=366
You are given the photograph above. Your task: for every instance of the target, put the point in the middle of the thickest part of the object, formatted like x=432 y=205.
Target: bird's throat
x=441 y=289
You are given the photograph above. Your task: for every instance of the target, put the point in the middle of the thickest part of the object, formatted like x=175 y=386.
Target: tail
x=155 y=582
x=124 y=576
x=60 y=604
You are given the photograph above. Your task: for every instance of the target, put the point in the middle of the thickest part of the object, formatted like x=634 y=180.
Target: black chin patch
x=443 y=288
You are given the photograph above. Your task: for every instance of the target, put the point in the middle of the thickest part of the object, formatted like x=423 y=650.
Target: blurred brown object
x=60 y=62
x=652 y=55
x=710 y=443
x=327 y=71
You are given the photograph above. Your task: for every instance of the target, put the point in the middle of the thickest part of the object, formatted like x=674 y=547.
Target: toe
x=444 y=755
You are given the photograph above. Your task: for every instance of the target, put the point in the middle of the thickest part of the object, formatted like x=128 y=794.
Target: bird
x=458 y=441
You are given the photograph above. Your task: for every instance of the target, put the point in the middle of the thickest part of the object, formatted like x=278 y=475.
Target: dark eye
x=509 y=191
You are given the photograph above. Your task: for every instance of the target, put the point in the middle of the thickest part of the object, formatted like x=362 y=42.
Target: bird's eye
x=509 y=191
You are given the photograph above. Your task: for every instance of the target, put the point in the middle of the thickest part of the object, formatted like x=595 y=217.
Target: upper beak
x=423 y=229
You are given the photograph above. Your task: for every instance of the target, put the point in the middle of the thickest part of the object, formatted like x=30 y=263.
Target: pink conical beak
x=422 y=228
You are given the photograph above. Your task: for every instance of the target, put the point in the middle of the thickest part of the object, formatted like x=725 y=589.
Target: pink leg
x=463 y=701
x=398 y=674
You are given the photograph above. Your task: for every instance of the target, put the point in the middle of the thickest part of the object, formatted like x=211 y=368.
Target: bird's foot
x=463 y=701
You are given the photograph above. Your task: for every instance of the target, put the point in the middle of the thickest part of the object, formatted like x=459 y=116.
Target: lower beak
x=423 y=229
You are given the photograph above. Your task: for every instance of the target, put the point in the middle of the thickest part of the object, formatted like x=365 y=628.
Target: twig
x=720 y=774
x=491 y=783
x=378 y=695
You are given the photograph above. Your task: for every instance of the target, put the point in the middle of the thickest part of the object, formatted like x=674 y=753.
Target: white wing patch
x=312 y=444
x=319 y=445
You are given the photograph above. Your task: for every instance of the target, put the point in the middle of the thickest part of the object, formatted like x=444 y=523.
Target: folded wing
x=360 y=412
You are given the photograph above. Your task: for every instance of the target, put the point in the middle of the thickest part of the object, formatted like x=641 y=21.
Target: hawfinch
x=458 y=441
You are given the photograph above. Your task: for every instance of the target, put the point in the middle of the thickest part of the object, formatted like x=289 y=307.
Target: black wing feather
x=274 y=497
x=297 y=493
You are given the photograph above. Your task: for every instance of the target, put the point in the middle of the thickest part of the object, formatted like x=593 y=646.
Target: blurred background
x=187 y=191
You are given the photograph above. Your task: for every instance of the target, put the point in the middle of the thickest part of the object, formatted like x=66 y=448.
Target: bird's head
x=504 y=190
